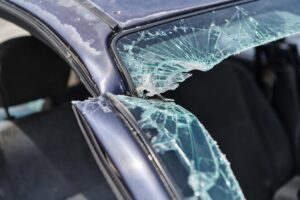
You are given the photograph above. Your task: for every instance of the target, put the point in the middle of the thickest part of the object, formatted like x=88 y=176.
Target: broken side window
x=159 y=58
x=187 y=151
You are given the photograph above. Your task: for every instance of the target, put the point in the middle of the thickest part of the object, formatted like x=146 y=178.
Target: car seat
x=44 y=155
x=228 y=101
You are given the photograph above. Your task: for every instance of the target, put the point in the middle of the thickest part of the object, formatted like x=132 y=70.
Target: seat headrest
x=30 y=70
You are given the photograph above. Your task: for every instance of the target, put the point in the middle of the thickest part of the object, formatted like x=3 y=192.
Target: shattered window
x=161 y=57
x=188 y=152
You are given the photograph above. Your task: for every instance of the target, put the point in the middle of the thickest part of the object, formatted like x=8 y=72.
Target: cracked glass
x=160 y=57
x=188 y=153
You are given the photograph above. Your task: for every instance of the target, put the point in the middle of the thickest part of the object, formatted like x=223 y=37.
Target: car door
x=152 y=149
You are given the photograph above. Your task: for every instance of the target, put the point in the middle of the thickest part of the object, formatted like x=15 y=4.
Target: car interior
x=249 y=104
x=43 y=155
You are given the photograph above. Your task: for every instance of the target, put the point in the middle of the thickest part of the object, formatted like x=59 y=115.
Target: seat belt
x=290 y=191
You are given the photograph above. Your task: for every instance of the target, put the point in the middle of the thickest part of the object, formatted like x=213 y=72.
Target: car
x=178 y=99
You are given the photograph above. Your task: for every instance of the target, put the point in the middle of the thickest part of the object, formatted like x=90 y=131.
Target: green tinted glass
x=160 y=57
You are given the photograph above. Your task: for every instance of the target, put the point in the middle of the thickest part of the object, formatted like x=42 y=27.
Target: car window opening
x=43 y=154
x=247 y=100
x=249 y=103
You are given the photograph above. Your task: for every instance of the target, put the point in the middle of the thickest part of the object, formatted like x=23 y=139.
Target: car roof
x=80 y=30
x=128 y=13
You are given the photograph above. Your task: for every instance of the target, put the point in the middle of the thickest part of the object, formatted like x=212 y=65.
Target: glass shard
x=190 y=155
x=161 y=57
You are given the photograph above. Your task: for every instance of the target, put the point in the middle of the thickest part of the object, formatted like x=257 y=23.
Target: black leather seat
x=231 y=106
x=42 y=156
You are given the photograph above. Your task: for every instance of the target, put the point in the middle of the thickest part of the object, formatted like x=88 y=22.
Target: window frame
x=122 y=33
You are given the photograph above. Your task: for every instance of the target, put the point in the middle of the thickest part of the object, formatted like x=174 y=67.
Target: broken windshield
x=186 y=149
x=159 y=58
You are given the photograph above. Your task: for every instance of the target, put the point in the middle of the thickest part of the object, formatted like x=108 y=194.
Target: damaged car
x=194 y=99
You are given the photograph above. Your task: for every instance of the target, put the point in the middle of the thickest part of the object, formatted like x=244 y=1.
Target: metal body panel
x=123 y=156
x=83 y=32
x=133 y=12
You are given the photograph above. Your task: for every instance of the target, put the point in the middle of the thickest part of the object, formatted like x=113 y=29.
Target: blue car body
x=82 y=32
